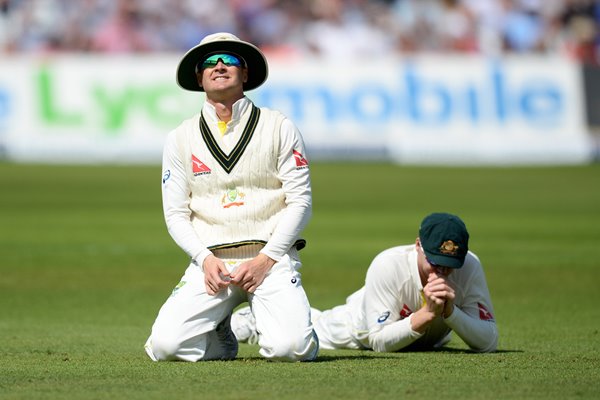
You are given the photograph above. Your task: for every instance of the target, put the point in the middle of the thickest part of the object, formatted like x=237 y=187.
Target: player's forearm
x=393 y=337
x=288 y=230
x=421 y=319
x=186 y=238
x=479 y=335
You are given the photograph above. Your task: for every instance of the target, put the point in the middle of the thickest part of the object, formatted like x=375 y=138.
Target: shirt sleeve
x=473 y=320
x=384 y=286
x=295 y=178
x=176 y=201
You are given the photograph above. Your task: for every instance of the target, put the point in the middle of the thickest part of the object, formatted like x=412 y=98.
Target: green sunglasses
x=227 y=59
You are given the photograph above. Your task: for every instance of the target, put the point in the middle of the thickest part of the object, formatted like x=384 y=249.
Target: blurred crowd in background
x=337 y=29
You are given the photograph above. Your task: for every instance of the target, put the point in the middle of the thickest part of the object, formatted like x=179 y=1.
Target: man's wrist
x=267 y=259
x=201 y=257
x=448 y=310
x=420 y=320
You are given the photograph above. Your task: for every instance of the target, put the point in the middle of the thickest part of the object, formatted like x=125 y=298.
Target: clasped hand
x=248 y=275
x=439 y=295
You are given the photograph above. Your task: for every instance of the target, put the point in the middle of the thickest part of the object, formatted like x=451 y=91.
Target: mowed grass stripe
x=85 y=263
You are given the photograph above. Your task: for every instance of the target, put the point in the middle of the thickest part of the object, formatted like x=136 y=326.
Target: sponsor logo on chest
x=198 y=167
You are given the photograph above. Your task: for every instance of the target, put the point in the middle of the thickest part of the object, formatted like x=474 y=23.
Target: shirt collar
x=414 y=267
x=239 y=108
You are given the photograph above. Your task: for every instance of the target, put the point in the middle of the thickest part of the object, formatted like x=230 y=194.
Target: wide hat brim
x=256 y=62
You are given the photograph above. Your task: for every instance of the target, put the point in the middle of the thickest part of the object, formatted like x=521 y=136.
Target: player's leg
x=334 y=329
x=192 y=325
x=243 y=324
x=282 y=314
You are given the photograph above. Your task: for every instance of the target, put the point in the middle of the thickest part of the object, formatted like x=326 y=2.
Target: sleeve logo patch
x=166 y=176
x=301 y=162
x=484 y=314
x=383 y=317
x=405 y=312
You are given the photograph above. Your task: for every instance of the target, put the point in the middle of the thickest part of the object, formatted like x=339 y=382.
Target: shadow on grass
x=348 y=355
x=462 y=351
x=329 y=358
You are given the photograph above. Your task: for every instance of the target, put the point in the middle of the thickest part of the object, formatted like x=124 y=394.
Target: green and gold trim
x=229 y=161
x=299 y=244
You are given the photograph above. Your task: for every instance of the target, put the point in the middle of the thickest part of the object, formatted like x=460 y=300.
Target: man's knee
x=163 y=348
x=219 y=344
x=291 y=349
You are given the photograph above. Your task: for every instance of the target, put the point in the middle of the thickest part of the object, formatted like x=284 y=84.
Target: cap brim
x=444 y=261
x=255 y=60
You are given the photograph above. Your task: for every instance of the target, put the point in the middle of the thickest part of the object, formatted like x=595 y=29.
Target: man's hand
x=216 y=275
x=250 y=274
x=439 y=301
x=438 y=292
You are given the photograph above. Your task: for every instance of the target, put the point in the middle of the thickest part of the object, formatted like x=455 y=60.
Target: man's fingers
x=209 y=289
x=247 y=282
x=216 y=283
x=441 y=294
x=436 y=299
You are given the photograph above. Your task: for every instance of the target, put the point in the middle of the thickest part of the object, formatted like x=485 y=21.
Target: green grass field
x=85 y=263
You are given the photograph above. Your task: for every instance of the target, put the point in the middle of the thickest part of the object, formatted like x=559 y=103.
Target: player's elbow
x=378 y=344
x=490 y=345
x=488 y=349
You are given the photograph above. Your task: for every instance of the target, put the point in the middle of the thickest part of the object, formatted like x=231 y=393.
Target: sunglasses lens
x=227 y=59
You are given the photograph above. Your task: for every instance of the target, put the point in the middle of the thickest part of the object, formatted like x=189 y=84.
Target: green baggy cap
x=444 y=239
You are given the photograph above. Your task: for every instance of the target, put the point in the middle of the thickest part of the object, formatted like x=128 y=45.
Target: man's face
x=426 y=268
x=223 y=78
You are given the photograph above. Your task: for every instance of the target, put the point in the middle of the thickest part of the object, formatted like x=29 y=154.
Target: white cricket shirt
x=381 y=310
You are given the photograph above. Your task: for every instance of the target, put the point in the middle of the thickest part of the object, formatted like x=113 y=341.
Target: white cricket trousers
x=193 y=325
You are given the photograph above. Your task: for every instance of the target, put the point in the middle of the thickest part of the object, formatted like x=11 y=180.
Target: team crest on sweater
x=232 y=198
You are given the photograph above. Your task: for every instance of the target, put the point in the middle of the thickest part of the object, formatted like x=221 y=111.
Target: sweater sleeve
x=176 y=201
x=387 y=289
x=479 y=335
x=393 y=337
x=295 y=178
x=473 y=319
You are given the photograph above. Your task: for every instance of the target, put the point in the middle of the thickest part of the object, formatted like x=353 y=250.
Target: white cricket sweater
x=247 y=187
